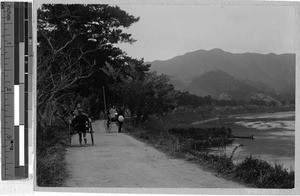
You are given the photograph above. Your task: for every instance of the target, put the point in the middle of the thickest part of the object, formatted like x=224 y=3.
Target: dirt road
x=118 y=160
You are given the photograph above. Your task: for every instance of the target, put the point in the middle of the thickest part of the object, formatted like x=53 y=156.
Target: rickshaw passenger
x=79 y=108
x=80 y=123
x=113 y=114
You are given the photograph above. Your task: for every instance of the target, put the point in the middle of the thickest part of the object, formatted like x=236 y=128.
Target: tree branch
x=63 y=47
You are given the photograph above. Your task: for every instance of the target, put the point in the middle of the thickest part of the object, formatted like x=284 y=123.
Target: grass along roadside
x=51 y=149
x=251 y=171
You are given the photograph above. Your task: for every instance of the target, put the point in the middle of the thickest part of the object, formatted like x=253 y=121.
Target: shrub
x=221 y=164
x=250 y=170
x=200 y=139
x=202 y=134
x=263 y=175
x=51 y=165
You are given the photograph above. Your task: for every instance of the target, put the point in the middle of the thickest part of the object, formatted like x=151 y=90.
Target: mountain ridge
x=218 y=49
x=274 y=70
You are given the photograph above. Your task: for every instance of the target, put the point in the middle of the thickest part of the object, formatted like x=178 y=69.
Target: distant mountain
x=262 y=72
x=221 y=85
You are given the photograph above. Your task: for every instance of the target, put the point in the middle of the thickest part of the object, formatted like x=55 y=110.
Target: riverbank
x=204 y=121
x=274 y=136
x=260 y=112
x=252 y=171
x=185 y=116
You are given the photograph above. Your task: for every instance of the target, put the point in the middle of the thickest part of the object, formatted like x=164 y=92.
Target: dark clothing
x=80 y=123
x=120 y=127
x=120 y=113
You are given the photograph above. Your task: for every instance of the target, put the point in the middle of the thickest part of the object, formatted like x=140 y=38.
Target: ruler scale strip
x=7 y=67
x=22 y=92
x=2 y=95
x=22 y=89
x=30 y=84
x=26 y=93
x=16 y=87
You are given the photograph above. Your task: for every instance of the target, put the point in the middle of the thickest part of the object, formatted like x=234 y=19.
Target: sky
x=166 y=31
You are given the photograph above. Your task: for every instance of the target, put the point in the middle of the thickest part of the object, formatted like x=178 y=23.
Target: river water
x=274 y=137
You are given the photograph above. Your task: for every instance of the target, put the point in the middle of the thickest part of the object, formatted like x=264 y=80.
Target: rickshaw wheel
x=70 y=133
x=92 y=138
x=91 y=132
x=107 y=125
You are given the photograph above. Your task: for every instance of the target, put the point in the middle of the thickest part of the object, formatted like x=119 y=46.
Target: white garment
x=113 y=113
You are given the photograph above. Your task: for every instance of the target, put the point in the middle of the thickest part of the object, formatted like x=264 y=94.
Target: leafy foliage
x=75 y=43
x=201 y=134
x=146 y=95
x=263 y=175
x=185 y=98
x=51 y=164
x=76 y=57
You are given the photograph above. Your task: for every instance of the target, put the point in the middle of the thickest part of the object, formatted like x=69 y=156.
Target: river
x=274 y=137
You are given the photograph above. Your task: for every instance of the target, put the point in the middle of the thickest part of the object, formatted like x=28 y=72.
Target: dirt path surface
x=118 y=160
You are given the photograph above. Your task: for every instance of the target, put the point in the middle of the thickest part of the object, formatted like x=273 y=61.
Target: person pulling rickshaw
x=81 y=124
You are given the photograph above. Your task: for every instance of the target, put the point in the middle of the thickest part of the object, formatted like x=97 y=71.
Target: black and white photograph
x=166 y=96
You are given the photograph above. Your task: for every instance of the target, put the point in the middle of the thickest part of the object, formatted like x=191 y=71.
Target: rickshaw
x=72 y=131
x=110 y=121
x=113 y=119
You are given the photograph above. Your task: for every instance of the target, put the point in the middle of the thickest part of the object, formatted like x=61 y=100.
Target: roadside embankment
x=52 y=142
x=191 y=144
x=118 y=160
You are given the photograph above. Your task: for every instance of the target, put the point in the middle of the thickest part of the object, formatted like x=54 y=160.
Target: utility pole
x=104 y=99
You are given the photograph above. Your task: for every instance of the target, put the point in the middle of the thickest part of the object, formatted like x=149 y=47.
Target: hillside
x=219 y=85
x=265 y=72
